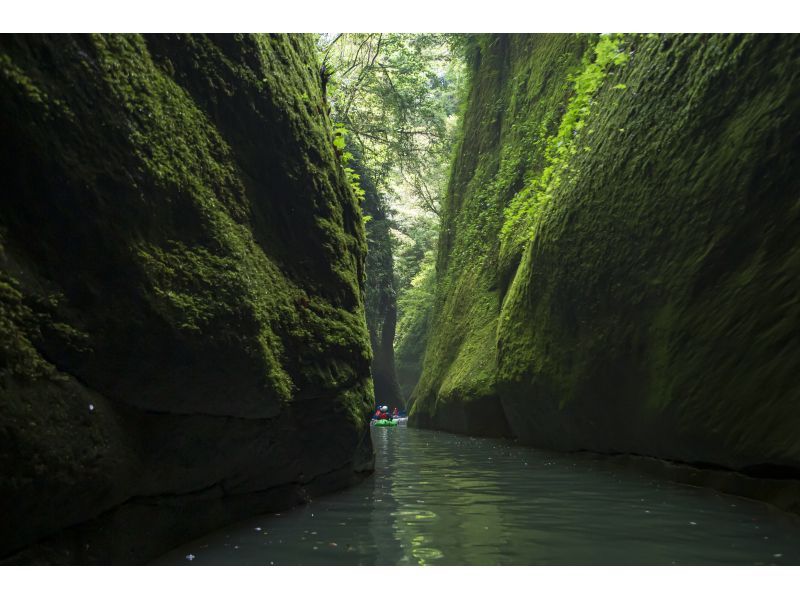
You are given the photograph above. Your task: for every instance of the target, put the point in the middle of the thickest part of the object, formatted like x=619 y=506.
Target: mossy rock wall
x=380 y=298
x=183 y=338
x=647 y=301
x=515 y=80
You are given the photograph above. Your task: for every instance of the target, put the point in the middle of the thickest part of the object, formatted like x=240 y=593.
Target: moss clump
x=520 y=217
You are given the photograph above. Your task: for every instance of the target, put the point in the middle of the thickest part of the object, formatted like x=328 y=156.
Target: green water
x=438 y=498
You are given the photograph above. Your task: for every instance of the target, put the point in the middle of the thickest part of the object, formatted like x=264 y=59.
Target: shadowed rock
x=182 y=337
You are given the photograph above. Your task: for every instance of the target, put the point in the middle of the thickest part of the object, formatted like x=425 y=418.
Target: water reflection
x=381 y=503
x=437 y=498
x=434 y=530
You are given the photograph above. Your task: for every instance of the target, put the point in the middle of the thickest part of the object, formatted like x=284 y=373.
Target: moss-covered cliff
x=380 y=302
x=182 y=336
x=619 y=267
x=414 y=308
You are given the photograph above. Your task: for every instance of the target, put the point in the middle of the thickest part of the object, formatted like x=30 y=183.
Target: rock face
x=379 y=295
x=414 y=329
x=619 y=262
x=182 y=333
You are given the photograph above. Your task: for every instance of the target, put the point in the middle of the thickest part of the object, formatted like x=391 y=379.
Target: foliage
x=520 y=215
x=394 y=98
x=415 y=277
x=415 y=305
x=353 y=178
x=414 y=239
x=397 y=94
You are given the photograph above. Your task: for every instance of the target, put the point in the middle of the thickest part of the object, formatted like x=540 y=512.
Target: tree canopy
x=397 y=96
x=394 y=99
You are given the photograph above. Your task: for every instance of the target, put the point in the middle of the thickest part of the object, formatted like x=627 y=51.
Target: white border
x=400 y=582
x=408 y=15
x=400 y=15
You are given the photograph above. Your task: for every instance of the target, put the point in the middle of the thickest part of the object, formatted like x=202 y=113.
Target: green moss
x=633 y=246
x=520 y=217
x=509 y=114
x=193 y=180
x=18 y=355
x=182 y=266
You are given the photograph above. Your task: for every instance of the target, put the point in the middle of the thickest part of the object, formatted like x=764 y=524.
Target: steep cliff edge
x=181 y=269
x=619 y=267
x=380 y=302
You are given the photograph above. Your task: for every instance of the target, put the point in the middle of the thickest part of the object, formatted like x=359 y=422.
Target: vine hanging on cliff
x=522 y=212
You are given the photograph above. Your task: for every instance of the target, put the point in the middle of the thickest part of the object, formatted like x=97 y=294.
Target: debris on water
x=258 y=529
x=313 y=533
x=236 y=547
x=333 y=544
x=190 y=557
x=91 y=407
x=648 y=512
x=315 y=547
x=272 y=562
x=778 y=555
x=692 y=523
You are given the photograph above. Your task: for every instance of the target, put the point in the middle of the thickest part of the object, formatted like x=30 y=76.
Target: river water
x=438 y=498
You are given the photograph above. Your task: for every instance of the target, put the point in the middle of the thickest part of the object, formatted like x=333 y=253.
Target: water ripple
x=437 y=498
